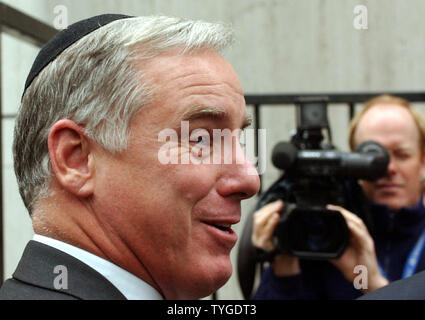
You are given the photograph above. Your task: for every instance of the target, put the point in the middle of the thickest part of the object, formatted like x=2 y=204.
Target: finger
x=263 y=215
x=265 y=231
x=349 y=216
x=359 y=234
x=263 y=237
x=360 y=237
x=270 y=227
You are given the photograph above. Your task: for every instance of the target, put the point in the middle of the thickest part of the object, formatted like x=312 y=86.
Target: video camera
x=316 y=174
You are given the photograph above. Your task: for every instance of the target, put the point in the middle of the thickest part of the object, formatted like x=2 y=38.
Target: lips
x=388 y=188
x=388 y=185
x=222 y=232
x=226 y=227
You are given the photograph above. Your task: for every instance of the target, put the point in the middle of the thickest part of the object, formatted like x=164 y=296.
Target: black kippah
x=66 y=38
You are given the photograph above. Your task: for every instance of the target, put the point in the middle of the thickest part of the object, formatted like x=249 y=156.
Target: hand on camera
x=360 y=251
x=264 y=225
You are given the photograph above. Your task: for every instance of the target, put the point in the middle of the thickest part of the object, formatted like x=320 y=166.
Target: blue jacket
x=395 y=234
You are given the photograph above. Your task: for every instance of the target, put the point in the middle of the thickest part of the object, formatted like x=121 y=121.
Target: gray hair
x=96 y=84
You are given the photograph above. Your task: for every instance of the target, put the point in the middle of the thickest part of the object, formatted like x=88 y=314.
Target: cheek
x=368 y=188
x=411 y=173
x=413 y=184
x=168 y=204
x=194 y=182
x=411 y=170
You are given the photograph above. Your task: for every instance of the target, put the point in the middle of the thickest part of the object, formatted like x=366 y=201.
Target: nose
x=240 y=178
x=392 y=167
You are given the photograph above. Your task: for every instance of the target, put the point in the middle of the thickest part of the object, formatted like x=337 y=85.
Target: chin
x=396 y=201
x=215 y=276
x=392 y=205
x=395 y=207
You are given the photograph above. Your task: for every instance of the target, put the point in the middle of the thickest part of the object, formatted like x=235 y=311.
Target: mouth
x=388 y=186
x=225 y=227
x=388 y=189
x=222 y=233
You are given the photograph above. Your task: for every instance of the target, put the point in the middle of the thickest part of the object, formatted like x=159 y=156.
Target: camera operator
x=394 y=249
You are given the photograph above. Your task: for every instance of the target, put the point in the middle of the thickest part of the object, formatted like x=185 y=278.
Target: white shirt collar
x=132 y=287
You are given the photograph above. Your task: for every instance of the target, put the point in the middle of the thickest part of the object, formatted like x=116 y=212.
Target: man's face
x=168 y=214
x=393 y=127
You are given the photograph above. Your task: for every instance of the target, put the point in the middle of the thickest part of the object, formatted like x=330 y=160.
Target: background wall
x=283 y=46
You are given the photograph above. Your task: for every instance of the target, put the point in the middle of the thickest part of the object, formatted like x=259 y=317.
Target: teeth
x=223 y=225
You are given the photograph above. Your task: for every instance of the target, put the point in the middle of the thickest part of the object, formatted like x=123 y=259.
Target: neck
x=74 y=221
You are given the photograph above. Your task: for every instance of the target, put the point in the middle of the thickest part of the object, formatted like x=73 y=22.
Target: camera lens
x=319 y=233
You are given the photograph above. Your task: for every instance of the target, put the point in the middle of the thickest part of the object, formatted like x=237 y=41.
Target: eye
x=200 y=137
x=201 y=144
x=402 y=155
x=203 y=140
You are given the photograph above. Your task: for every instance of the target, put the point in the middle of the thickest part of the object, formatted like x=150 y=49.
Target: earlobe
x=71 y=158
x=422 y=169
x=423 y=164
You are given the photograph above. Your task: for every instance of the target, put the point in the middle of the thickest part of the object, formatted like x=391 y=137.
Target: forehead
x=391 y=125
x=185 y=81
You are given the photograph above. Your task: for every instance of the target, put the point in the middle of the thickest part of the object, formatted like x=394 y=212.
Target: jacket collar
x=408 y=221
x=39 y=263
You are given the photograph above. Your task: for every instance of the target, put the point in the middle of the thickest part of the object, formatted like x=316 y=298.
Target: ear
x=422 y=168
x=71 y=158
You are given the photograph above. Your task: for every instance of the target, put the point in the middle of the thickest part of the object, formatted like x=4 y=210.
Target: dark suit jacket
x=34 y=278
x=412 y=288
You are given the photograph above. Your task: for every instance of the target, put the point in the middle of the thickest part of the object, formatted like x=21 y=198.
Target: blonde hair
x=393 y=100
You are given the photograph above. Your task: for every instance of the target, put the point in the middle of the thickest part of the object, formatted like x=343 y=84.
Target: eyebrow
x=404 y=148
x=201 y=111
